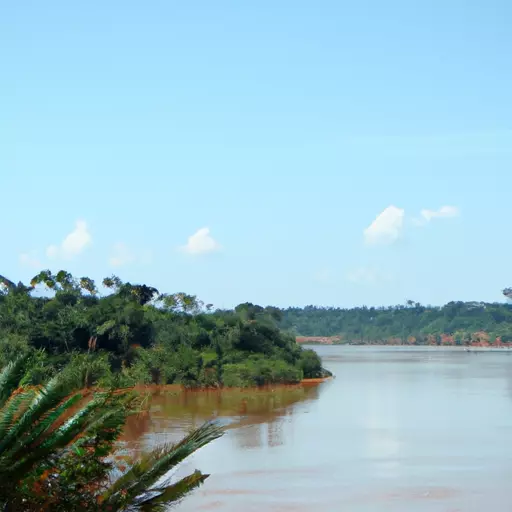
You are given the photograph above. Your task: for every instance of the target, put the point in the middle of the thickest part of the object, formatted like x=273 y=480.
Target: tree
x=181 y=303
x=55 y=444
x=44 y=277
x=6 y=286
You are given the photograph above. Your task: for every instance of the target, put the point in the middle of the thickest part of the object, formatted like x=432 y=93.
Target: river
x=398 y=430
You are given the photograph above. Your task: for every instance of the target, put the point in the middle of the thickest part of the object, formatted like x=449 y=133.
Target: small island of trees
x=133 y=334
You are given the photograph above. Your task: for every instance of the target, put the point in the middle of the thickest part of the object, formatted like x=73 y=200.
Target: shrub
x=259 y=371
x=311 y=364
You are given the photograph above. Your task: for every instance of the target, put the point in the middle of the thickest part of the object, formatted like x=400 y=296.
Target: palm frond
x=58 y=439
x=46 y=398
x=172 y=493
x=10 y=377
x=106 y=425
x=36 y=439
x=14 y=407
x=156 y=464
x=29 y=442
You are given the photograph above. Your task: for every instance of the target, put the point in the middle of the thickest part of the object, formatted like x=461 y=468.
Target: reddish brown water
x=398 y=430
x=173 y=412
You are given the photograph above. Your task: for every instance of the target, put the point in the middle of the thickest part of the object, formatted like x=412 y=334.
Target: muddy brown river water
x=398 y=430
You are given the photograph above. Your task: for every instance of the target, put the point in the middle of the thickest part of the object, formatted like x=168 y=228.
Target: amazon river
x=398 y=430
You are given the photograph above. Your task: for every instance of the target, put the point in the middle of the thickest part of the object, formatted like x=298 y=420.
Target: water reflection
x=396 y=431
x=260 y=435
x=256 y=416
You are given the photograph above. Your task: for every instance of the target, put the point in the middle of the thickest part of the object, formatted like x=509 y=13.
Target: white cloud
x=386 y=228
x=201 y=242
x=367 y=275
x=30 y=260
x=74 y=243
x=443 y=212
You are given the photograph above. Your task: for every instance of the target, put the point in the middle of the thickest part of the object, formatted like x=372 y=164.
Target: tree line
x=456 y=323
x=133 y=333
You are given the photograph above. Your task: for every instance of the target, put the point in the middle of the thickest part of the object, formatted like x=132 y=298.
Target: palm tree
x=56 y=449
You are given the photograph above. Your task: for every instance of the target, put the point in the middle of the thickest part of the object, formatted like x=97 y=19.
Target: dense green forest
x=453 y=323
x=132 y=334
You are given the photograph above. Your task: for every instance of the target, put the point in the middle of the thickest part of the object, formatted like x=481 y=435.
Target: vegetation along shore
x=480 y=324
x=133 y=334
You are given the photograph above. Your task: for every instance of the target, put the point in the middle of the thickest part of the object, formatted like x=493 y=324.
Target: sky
x=286 y=153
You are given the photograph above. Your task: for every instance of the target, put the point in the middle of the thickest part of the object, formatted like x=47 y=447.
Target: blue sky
x=287 y=153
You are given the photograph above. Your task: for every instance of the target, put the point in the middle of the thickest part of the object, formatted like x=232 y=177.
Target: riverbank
x=316 y=381
x=504 y=350
x=159 y=388
x=333 y=341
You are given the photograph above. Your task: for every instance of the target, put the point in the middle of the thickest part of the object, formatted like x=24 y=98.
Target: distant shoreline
x=481 y=344
x=462 y=348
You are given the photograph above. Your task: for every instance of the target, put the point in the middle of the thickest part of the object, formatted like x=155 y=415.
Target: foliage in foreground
x=134 y=334
x=56 y=449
